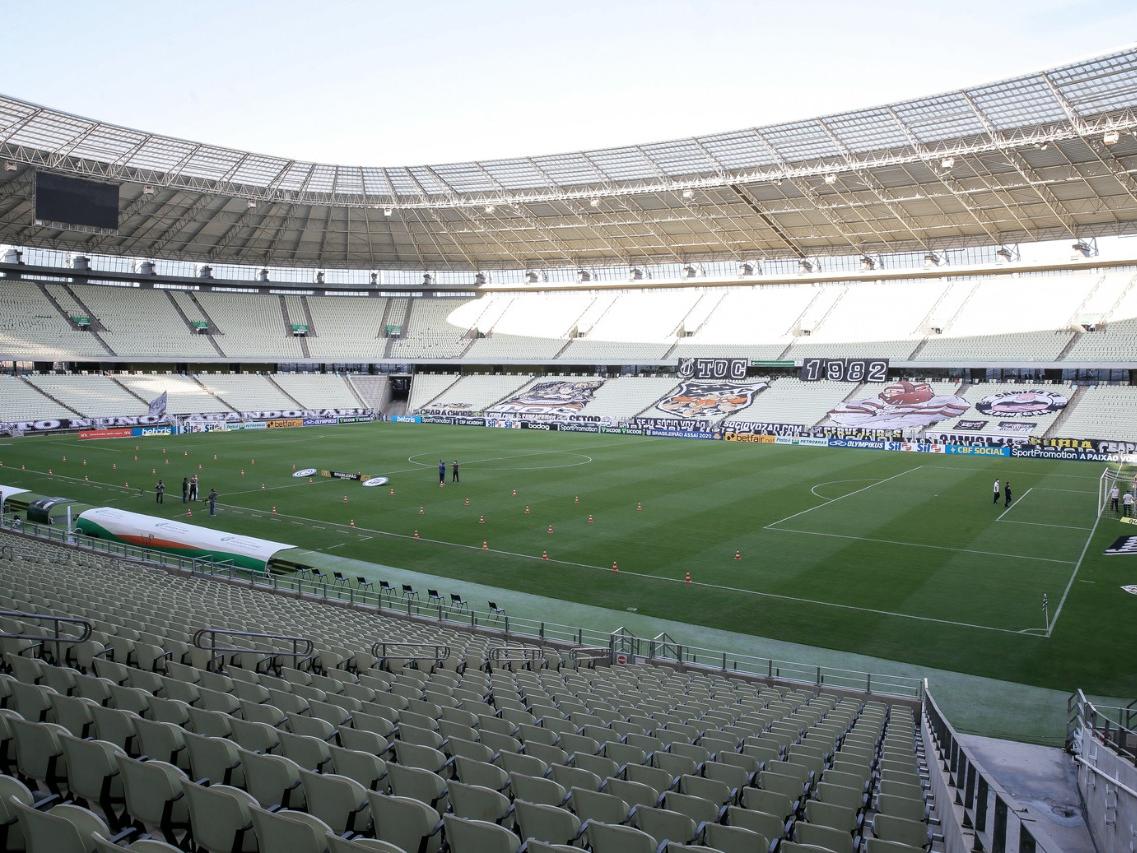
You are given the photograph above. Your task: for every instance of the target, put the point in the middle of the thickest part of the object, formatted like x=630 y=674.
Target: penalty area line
x=770 y=526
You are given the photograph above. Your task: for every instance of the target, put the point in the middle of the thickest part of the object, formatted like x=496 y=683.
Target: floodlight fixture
x=806 y=265
x=427 y=279
x=594 y=202
x=688 y=193
x=204 y=271
x=387 y=211
x=932 y=260
x=689 y=271
x=319 y=276
x=637 y=274
x=1003 y=255
x=1083 y=249
x=531 y=277
x=262 y=275
x=830 y=178
x=489 y=208
x=479 y=279
x=147 y=190
x=746 y=269
x=251 y=204
x=374 y=277
x=583 y=275
x=867 y=263
x=947 y=162
x=1111 y=137
x=80 y=263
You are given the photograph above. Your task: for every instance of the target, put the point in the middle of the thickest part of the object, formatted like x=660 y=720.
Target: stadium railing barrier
x=1104 y=746
x=56 y=623
x=977 y=813
x=206 y=639
x=586 y=645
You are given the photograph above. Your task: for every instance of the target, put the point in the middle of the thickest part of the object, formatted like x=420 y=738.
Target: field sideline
x=900 y=556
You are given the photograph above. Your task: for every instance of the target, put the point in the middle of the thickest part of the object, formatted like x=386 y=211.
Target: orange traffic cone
x=687 y=578
x=189 y=513
x=615 y=568
x=544 y=555
x=485 y=545
x=416 y=534
x=590 y=518
x=549 y=530
x=738 y=553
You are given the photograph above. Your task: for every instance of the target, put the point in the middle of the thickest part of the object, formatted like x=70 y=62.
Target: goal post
x=1123 y=478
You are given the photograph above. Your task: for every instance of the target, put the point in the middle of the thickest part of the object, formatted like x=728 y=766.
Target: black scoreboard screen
x=73 y=201
x=844 y=369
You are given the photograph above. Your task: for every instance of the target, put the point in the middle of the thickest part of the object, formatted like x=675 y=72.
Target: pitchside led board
x=844 y=369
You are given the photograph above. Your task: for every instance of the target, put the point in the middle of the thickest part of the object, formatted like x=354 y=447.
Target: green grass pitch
x=902 y=556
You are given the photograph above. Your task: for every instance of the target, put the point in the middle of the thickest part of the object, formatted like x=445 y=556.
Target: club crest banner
x=1017 y=404
x=561 y=397
x=707 y=400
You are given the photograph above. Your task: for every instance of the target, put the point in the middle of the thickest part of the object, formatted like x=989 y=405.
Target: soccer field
x=901 y=556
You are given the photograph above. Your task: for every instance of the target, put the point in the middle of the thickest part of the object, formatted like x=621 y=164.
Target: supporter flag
x=158 y=405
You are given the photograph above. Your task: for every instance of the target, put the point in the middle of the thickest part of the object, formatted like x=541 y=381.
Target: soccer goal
x=1123 y=477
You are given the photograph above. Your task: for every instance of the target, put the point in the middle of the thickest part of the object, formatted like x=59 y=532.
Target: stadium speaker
x=80 y=263
x=12 y=256
x=262 y=275
x=427 y=279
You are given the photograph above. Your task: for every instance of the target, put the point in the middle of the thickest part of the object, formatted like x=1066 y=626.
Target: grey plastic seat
x=288 y=831
x=666 y=824
x=338 y=801
x=361 y=845
x=734 y=839
x=614 y=838
x=407 y=823
x=39 y=752
x=162 y=741
x=155 y=796
x=368 y=770
x=891 y=828
x=221 y=818
x=309 y=753
x=418 y=784
x=479 y=803
x=11 y=834
x=599 y=806
x=273 y=780
x=214 y=759
x=465 y=835
x=827 y=837
x=546 y=823
x=93 y=774
x=64 y=829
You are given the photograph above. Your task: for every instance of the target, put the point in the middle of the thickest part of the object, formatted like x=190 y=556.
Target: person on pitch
x=454 y=472
x=160 y=493
x=193 y=485
x=1007 y=493
x=212 y=501
x=1114 y=495
x=1127 y=503
x=998 y=491
x=441 y=473
x=185 y=489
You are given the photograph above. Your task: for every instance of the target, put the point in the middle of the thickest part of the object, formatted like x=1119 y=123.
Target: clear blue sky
x=394 y=83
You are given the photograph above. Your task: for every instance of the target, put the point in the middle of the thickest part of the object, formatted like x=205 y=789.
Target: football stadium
x=761 y=491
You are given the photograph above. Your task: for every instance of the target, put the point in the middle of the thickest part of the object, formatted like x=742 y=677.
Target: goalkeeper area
x=902 y=556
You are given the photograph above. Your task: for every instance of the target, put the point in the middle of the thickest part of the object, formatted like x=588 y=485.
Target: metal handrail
x=989 y=810
x=379 y=649
x=516 y=654
x=58 y=639
x=302 y=647
x=1082 y=714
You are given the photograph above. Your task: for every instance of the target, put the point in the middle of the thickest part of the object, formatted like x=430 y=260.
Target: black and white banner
x=713 y=368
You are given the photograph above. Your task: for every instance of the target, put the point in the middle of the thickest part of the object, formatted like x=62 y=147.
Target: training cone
x=481 y=519
x=345 y=498
x=242 y=472
x=544 y=555
x=167 y=461
x=84 y=463
x=293 y=466
x=135 y=457
x=252 y=461
x=590 y=518
x=485 y=545
x=200 y=467
x=738 y=553
x=50 y=473
x=615 y=568
x=153 y=470
x=416 y=534
x=352 y=523
x=422 y=510
x=391 y=492
x=84 y=476
x=189 y=513
x=526 y=509
x=549 y=530
x=185 y=453
x=639 y=507
x=514 y=491
x=114 y=466
x=64 y=458
x=467 y=502
x=577 y=499
x=274 y=509
x=687 y=578
x=214 y=457
x=310 y=480
x=126 y=485
x=262 y=487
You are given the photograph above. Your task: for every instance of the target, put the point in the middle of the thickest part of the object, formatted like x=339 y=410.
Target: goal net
x=1123 y=478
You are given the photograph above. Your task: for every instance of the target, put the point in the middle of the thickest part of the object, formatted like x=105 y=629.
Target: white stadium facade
x=961 y=268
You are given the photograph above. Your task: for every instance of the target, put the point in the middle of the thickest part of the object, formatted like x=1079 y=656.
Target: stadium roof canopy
x=1049 y=155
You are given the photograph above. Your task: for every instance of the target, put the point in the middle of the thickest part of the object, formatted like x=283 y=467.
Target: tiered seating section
x=136 y=728
x=1106 y=411
x=321 y=390
x=1025 y=410
x=1009 y=318
x=476 y=393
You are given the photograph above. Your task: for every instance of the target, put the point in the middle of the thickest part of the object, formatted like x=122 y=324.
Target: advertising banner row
x=129 y=426
x=1082 y=450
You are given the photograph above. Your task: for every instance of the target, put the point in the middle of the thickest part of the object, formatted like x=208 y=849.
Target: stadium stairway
x=349 y=742
x=127 y=388
x=96 y=324
x=213 y=328
x=1064 y=415
x=206 y=390
x=189 y=323
x=280 y=388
